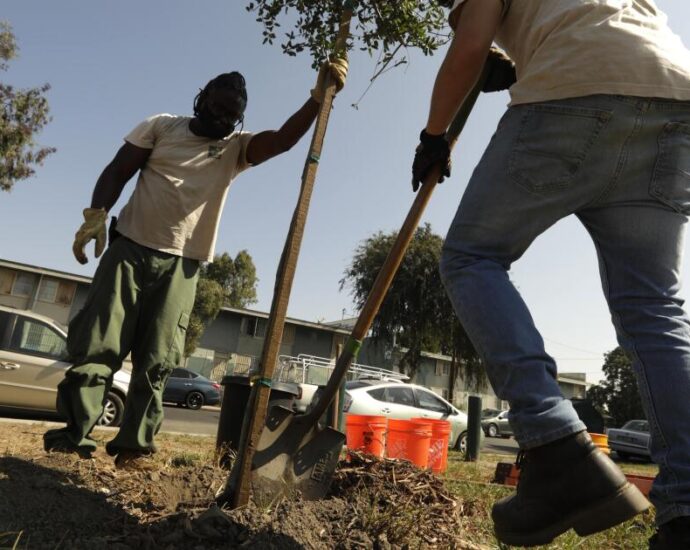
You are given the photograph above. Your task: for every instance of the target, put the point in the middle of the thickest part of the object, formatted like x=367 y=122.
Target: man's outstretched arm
x=270 y=143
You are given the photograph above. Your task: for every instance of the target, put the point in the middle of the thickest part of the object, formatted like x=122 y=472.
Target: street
x=205 y=422
x=181 y=420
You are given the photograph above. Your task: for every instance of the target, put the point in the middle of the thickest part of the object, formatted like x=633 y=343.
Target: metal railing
x=311 y=369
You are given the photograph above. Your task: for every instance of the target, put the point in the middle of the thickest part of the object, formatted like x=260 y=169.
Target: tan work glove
x=92 y=228
x=337 y=68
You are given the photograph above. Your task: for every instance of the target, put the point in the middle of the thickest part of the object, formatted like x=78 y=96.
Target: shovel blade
x=294 y=456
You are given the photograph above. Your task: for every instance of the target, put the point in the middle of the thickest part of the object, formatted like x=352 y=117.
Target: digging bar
x=294 y=455
x=238 y=486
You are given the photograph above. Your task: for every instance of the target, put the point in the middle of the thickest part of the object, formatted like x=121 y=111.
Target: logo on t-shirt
x=215 y=151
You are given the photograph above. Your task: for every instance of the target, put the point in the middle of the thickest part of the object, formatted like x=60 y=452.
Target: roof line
x=45 y=271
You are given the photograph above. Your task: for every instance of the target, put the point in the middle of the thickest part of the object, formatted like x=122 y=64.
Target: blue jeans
x=622 y=166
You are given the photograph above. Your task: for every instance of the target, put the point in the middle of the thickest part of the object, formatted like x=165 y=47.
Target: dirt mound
x=60 y=502
x=390 y=496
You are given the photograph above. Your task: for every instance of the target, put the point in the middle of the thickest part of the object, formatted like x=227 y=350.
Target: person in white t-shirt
x=598 y=127
x=144 y=287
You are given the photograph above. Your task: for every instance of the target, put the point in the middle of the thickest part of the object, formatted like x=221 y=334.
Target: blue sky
x=110 y=64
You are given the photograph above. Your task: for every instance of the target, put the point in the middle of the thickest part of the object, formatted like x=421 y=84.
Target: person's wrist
x=426 y=138
x=98 y=214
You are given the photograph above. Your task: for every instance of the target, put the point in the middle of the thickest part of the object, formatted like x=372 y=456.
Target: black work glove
x=431 y=150
x=501 y=72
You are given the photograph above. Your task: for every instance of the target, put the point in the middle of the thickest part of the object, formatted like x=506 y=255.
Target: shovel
x=294 y=455
x=237 y=489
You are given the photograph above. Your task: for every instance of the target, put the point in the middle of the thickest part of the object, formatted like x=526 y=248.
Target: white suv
x=402 y=401
x=33 y=353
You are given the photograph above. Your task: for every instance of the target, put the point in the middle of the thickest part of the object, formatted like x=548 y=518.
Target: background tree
x=416 y=312
x=237 y=277
x=24 y=114
x=225 y=282
x=618 y=394
x=207 y=303
x=465 y=362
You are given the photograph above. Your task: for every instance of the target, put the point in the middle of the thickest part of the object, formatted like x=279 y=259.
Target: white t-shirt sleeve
x=452 y=15
x=242 y=162
x=146 y=133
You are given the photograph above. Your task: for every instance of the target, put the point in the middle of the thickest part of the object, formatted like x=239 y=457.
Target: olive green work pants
x=139 y=302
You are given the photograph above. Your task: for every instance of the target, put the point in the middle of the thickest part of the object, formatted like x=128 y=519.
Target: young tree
x=24 y=114
x=618 y=394
x=416 y=312
x=382 y=25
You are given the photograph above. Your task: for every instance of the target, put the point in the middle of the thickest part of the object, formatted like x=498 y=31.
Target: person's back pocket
x=553 y=143
x=671 y=181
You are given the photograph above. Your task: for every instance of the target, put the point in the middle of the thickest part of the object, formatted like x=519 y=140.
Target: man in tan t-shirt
x=598 y=127
x=143 y=290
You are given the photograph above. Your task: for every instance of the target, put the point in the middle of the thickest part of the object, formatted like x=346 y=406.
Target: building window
x=288 y=334
x=23 y=284
x=252 y=326
x=442 y=368
x=65 y=293
x=48 y=290
x=6 y=281
x=56 y=292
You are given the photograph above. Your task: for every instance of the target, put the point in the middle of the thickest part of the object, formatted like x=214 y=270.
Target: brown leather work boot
x=566 y=484
x=137 y=461
x=673 y=535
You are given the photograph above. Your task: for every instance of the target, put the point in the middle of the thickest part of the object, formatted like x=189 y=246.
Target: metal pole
x=474 y=428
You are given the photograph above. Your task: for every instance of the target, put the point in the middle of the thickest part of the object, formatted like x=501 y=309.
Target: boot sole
x=625 y=504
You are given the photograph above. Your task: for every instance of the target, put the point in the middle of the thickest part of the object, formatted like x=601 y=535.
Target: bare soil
x=56 y=501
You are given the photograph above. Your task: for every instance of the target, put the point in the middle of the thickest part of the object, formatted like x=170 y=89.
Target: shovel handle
x=394 y=258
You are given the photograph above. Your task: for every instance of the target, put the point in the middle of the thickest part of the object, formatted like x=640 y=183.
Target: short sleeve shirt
x=575 y=48
x=180 y=193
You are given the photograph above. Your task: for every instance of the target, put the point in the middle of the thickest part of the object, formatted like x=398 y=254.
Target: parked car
x=497 y=426
x=33 y=361
x=191 y=390
x=490 y=413
x=402 y=401
x=632 y=439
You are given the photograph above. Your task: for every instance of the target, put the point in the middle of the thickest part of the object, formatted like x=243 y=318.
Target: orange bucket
x=409 y=439
x=366 y=433
x=601 y=441
x=438 y=447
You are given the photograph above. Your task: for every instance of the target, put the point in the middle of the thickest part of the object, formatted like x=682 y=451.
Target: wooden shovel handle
x=394 y=259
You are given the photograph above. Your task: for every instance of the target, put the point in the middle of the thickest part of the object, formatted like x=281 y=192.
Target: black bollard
x=474 y=428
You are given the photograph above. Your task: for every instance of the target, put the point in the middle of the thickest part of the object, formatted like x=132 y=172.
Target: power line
x=599 y=353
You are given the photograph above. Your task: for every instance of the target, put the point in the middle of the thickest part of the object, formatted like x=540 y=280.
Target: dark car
x=497 y=426
x=191 y=390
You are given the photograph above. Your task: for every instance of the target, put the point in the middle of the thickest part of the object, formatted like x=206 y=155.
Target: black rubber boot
x=567 y=484
x=673 y=535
